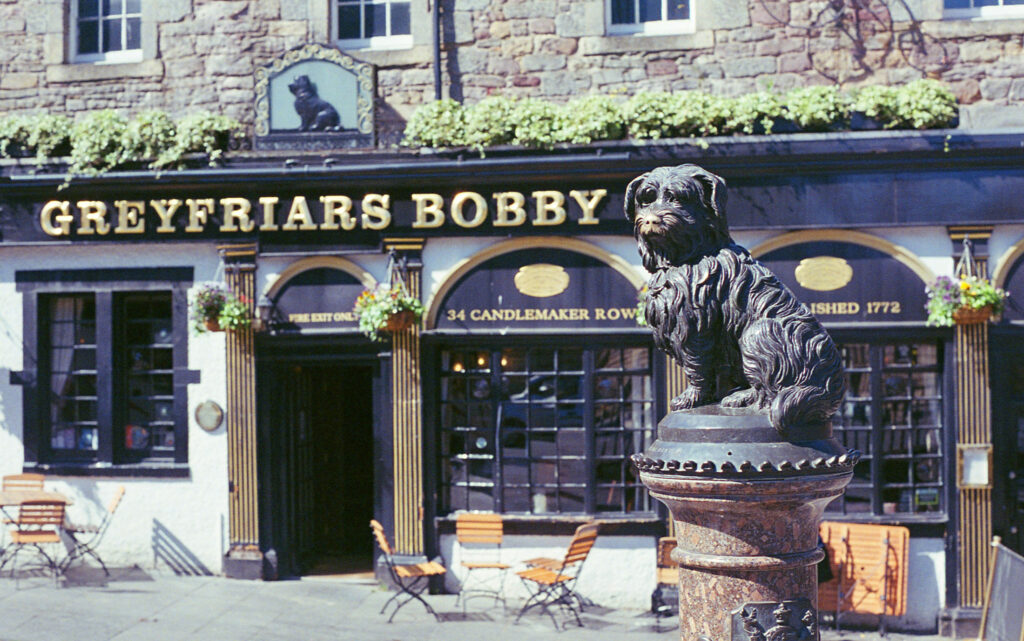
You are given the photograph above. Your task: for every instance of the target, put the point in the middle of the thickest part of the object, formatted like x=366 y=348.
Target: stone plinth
x=746 y=502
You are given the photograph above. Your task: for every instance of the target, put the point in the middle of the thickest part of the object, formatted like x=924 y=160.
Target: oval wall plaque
x=209 y=415
x=541 y=280
x=823 y=273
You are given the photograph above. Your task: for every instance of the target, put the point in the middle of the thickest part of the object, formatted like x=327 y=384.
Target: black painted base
x=960 y=623
x=241 y=564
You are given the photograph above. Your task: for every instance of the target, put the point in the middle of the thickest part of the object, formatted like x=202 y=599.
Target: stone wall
x=201 y=54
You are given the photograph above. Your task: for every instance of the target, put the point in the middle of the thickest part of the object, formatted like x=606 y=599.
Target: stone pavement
x=135 y=604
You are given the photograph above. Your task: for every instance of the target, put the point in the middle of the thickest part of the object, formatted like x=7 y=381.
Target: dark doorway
x=321 y=429
x=1007 y=375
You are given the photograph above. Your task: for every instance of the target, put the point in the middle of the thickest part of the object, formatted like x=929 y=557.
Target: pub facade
x=263 y=453
x=530 y=381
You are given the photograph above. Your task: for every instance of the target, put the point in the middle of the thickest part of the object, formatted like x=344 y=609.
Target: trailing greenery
x=531 y=122
x=99 y=141
x=214 y=307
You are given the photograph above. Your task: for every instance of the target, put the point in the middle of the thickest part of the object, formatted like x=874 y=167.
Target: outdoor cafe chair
x=480 y=535
x=85 y=538
x=556 y=586
x=410 y=578
x=38 y=524
x=23 y=482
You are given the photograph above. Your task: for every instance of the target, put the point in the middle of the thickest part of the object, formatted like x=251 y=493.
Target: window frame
x=660 y=27
x=945 y=367
x=494 y=345
x=105 y=57
x=997 y=12
x=107 y=287
x=375 y=43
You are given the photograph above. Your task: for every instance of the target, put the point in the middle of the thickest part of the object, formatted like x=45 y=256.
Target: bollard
x=746 y=461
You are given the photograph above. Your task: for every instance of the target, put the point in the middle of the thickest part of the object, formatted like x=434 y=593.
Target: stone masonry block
x=727 y=14
x=19 y=80
x=662 y=68
x=542 y=26
x=294 y=9
x=471 y=60
x=462 y=28
x=995 y=88
x=746 y=67
x=984 y=51
x=543 y=62
x=794 y=62
x=584 y=18
x=529 y=9
x=172 y=10
x=1017 y=89
x=472 y=5
x=501 y=29
x=560 y=46
x=286 y=28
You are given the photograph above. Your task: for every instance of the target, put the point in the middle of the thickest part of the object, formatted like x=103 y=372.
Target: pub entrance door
x=1007 y=375
x=321 y=438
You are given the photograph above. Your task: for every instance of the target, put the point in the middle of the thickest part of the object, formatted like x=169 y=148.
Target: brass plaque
x=541 y=280
x=823 y=273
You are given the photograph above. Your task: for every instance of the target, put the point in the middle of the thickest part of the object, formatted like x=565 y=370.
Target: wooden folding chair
x=409 y=578
x=23 y=482
x=38 y=523
x=550 y=587
x=86 y=537
x=869 y=563
x=480 y=536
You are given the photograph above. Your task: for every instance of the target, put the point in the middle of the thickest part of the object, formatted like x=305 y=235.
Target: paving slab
x=134 y=604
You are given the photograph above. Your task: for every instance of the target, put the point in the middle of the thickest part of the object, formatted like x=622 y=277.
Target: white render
x=163 y=524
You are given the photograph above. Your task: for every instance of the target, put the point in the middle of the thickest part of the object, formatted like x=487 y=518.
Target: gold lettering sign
x=541 y=280
x=823 y=273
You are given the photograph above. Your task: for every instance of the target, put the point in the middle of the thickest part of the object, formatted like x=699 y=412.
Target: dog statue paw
x=724 y=317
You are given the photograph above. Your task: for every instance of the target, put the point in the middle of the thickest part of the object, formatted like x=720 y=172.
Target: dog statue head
x=678 y=215
x=302 y=86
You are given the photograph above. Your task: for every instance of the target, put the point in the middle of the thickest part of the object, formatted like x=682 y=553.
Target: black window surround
x=906 y=434
x=108 y=288
x=594 y=418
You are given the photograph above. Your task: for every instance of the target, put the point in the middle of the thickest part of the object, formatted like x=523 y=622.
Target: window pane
x=88 y=36
x=623 y=12
x=958 y=4
x=677 y=9
x=133 y=33
x=112 y=35
x=72 y=378
x=348 y=22
x=650 y=10
x=147 y=381
x=87 y=8
x=376 y=20
x=133 y=6
x=400 y=19
x=111 y=7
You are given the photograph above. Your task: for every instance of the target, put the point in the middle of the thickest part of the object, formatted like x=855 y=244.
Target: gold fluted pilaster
x=243 y=512
x=974 y=423
x=406 y=403
x=974 y=427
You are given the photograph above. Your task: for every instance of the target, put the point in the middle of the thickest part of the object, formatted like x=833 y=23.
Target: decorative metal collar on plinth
x=712 y=441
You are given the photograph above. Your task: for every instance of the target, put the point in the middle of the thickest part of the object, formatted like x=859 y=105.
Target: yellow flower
x=964 y=285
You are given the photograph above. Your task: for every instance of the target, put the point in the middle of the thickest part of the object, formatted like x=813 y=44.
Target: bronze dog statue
x=740 y=335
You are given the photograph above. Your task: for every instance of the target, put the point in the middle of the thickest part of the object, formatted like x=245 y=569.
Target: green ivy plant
x=538 y=123
x=593 y=117
x=925 y=104
x=818 y=107
x=755 y=113
x=879 y=102
x=490 y=123
x=438 y=124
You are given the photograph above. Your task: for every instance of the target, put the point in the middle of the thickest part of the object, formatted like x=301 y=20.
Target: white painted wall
x=618 y=573
x=162 y=524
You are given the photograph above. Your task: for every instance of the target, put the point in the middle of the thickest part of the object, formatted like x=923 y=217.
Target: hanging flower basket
x=214 y=308
x=387 y=310
x=971 y=315
x=400 y=321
